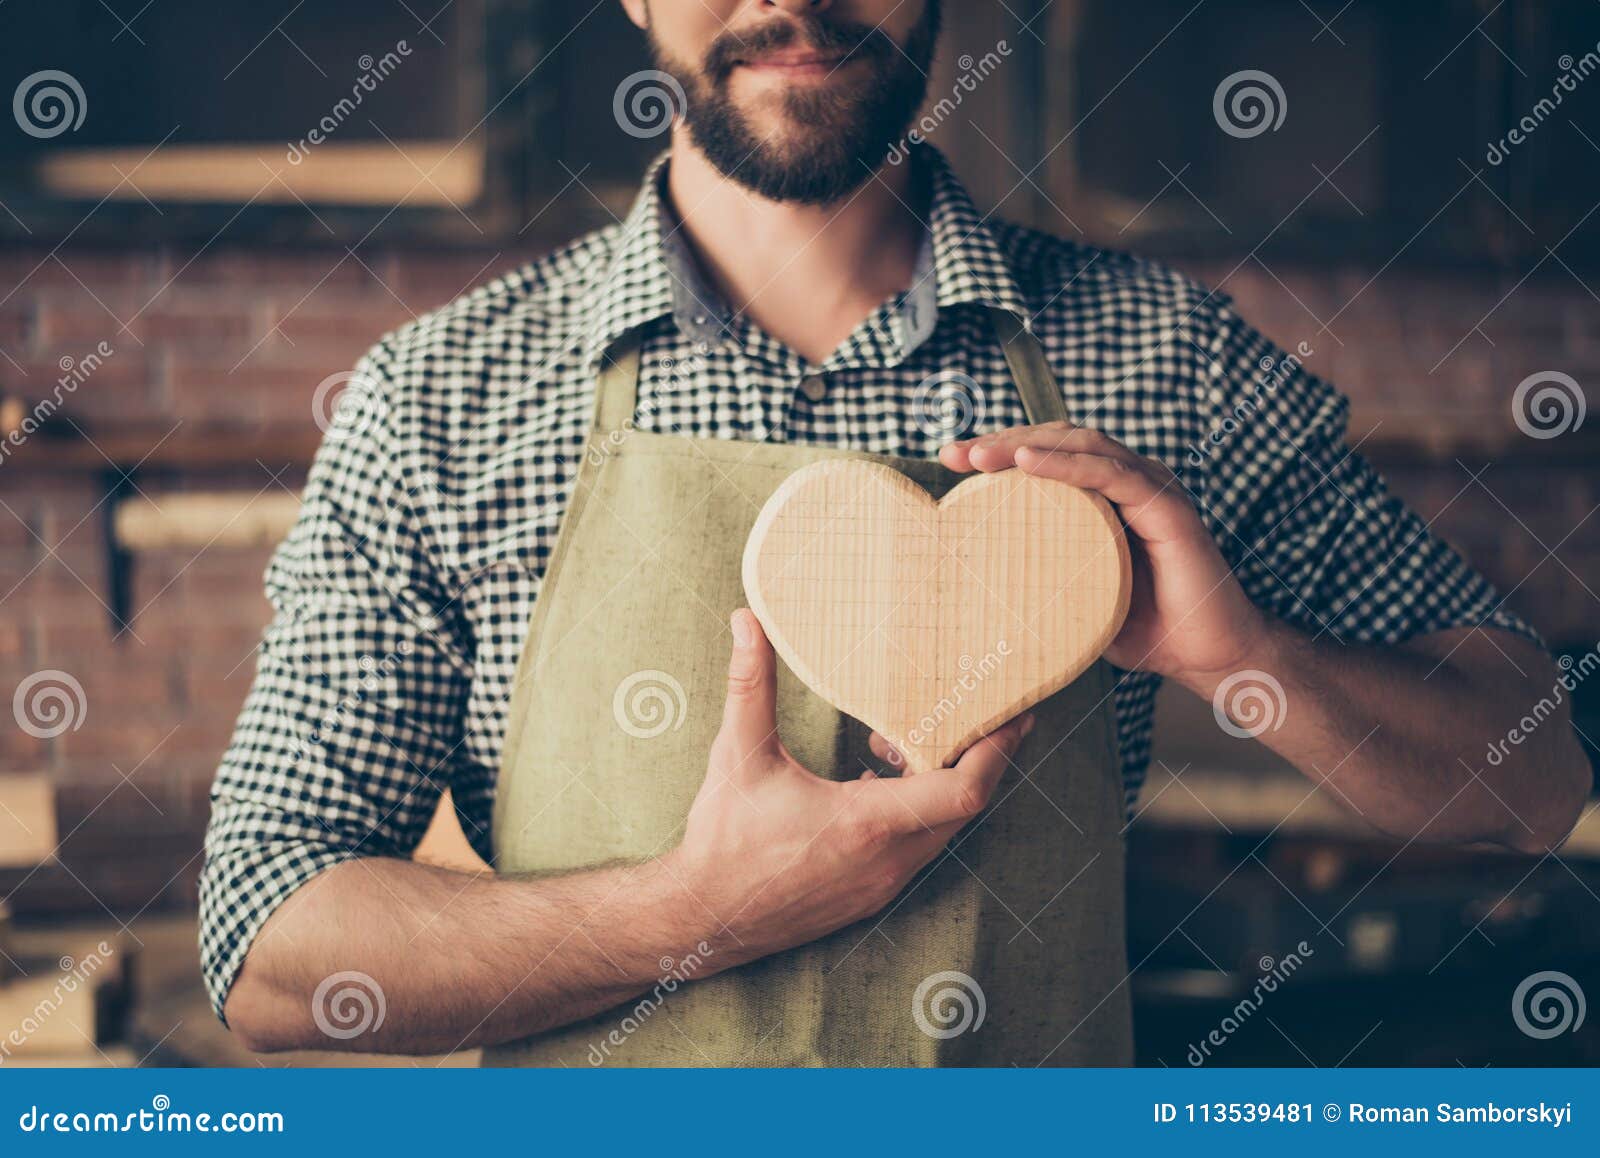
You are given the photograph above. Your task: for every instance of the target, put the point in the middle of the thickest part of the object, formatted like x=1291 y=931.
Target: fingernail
x=742 y=635
x=1027 y=725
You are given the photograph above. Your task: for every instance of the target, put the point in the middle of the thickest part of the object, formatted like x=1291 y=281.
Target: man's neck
x=806 y=274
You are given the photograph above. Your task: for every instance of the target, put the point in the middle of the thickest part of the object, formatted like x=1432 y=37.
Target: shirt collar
x=969 y=266
x=633 y=286
x=652 y=271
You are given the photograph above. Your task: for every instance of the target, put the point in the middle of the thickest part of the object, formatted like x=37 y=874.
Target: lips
x=793 y=60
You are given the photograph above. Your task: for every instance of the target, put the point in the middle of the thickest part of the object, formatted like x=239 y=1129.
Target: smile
x=795 y=64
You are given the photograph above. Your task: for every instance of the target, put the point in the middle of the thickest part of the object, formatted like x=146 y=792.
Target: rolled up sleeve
x=349 y=733
x=1310 y=528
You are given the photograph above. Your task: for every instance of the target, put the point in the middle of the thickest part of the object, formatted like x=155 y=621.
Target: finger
x=885 y=751
x=1002 y=454
x=954 y=795
x=750 y=713
x=1154 y=511
x=955 y=456
x=958 y=455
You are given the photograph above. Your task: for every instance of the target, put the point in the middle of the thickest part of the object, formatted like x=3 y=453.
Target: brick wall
x=229 y=342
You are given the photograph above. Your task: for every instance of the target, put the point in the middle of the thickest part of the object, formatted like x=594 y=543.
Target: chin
x=805 y=103
x=798 y=140
x=799 y=144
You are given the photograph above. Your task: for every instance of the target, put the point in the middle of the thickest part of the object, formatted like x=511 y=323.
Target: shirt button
x=814 y=388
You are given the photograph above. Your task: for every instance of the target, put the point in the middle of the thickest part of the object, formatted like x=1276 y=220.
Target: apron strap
x=616 y=391
x=1041 y=396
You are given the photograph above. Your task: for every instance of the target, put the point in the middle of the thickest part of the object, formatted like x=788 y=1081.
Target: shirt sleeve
x=348 y=734
x=1310 y=529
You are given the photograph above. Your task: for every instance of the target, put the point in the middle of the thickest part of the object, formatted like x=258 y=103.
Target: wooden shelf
x=1282 y=803
x=1426 y=438
x=195 y=448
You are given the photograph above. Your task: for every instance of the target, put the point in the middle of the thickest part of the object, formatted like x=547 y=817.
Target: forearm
x=1401 y=734
x=461 y=961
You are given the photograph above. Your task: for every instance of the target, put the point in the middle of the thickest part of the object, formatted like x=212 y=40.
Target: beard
x=832 y=139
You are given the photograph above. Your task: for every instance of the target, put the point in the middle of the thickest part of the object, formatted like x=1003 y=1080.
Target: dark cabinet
x=1366 y=131
x=1429 y=131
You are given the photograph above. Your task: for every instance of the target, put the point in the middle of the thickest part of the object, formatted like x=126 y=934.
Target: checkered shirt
x=403 y=592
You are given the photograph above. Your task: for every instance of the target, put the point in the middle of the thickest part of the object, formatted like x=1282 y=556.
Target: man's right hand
x=778 y=856
x=773 y=857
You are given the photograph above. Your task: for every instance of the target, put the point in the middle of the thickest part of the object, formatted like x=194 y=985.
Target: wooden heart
x=935 y=622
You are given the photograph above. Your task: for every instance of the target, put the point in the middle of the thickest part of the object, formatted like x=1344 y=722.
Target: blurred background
x=210 y=209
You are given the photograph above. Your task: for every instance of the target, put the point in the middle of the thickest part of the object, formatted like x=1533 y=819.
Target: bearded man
x=531 y=531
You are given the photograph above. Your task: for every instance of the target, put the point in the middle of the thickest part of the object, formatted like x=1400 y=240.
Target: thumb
x=750 y=714
x=929 y=800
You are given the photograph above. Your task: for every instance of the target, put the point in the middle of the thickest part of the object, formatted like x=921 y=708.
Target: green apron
x=1008 y=949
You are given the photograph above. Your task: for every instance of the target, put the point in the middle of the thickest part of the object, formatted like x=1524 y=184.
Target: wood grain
x=935 y=622
x=199 y=521
x=27 y=819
